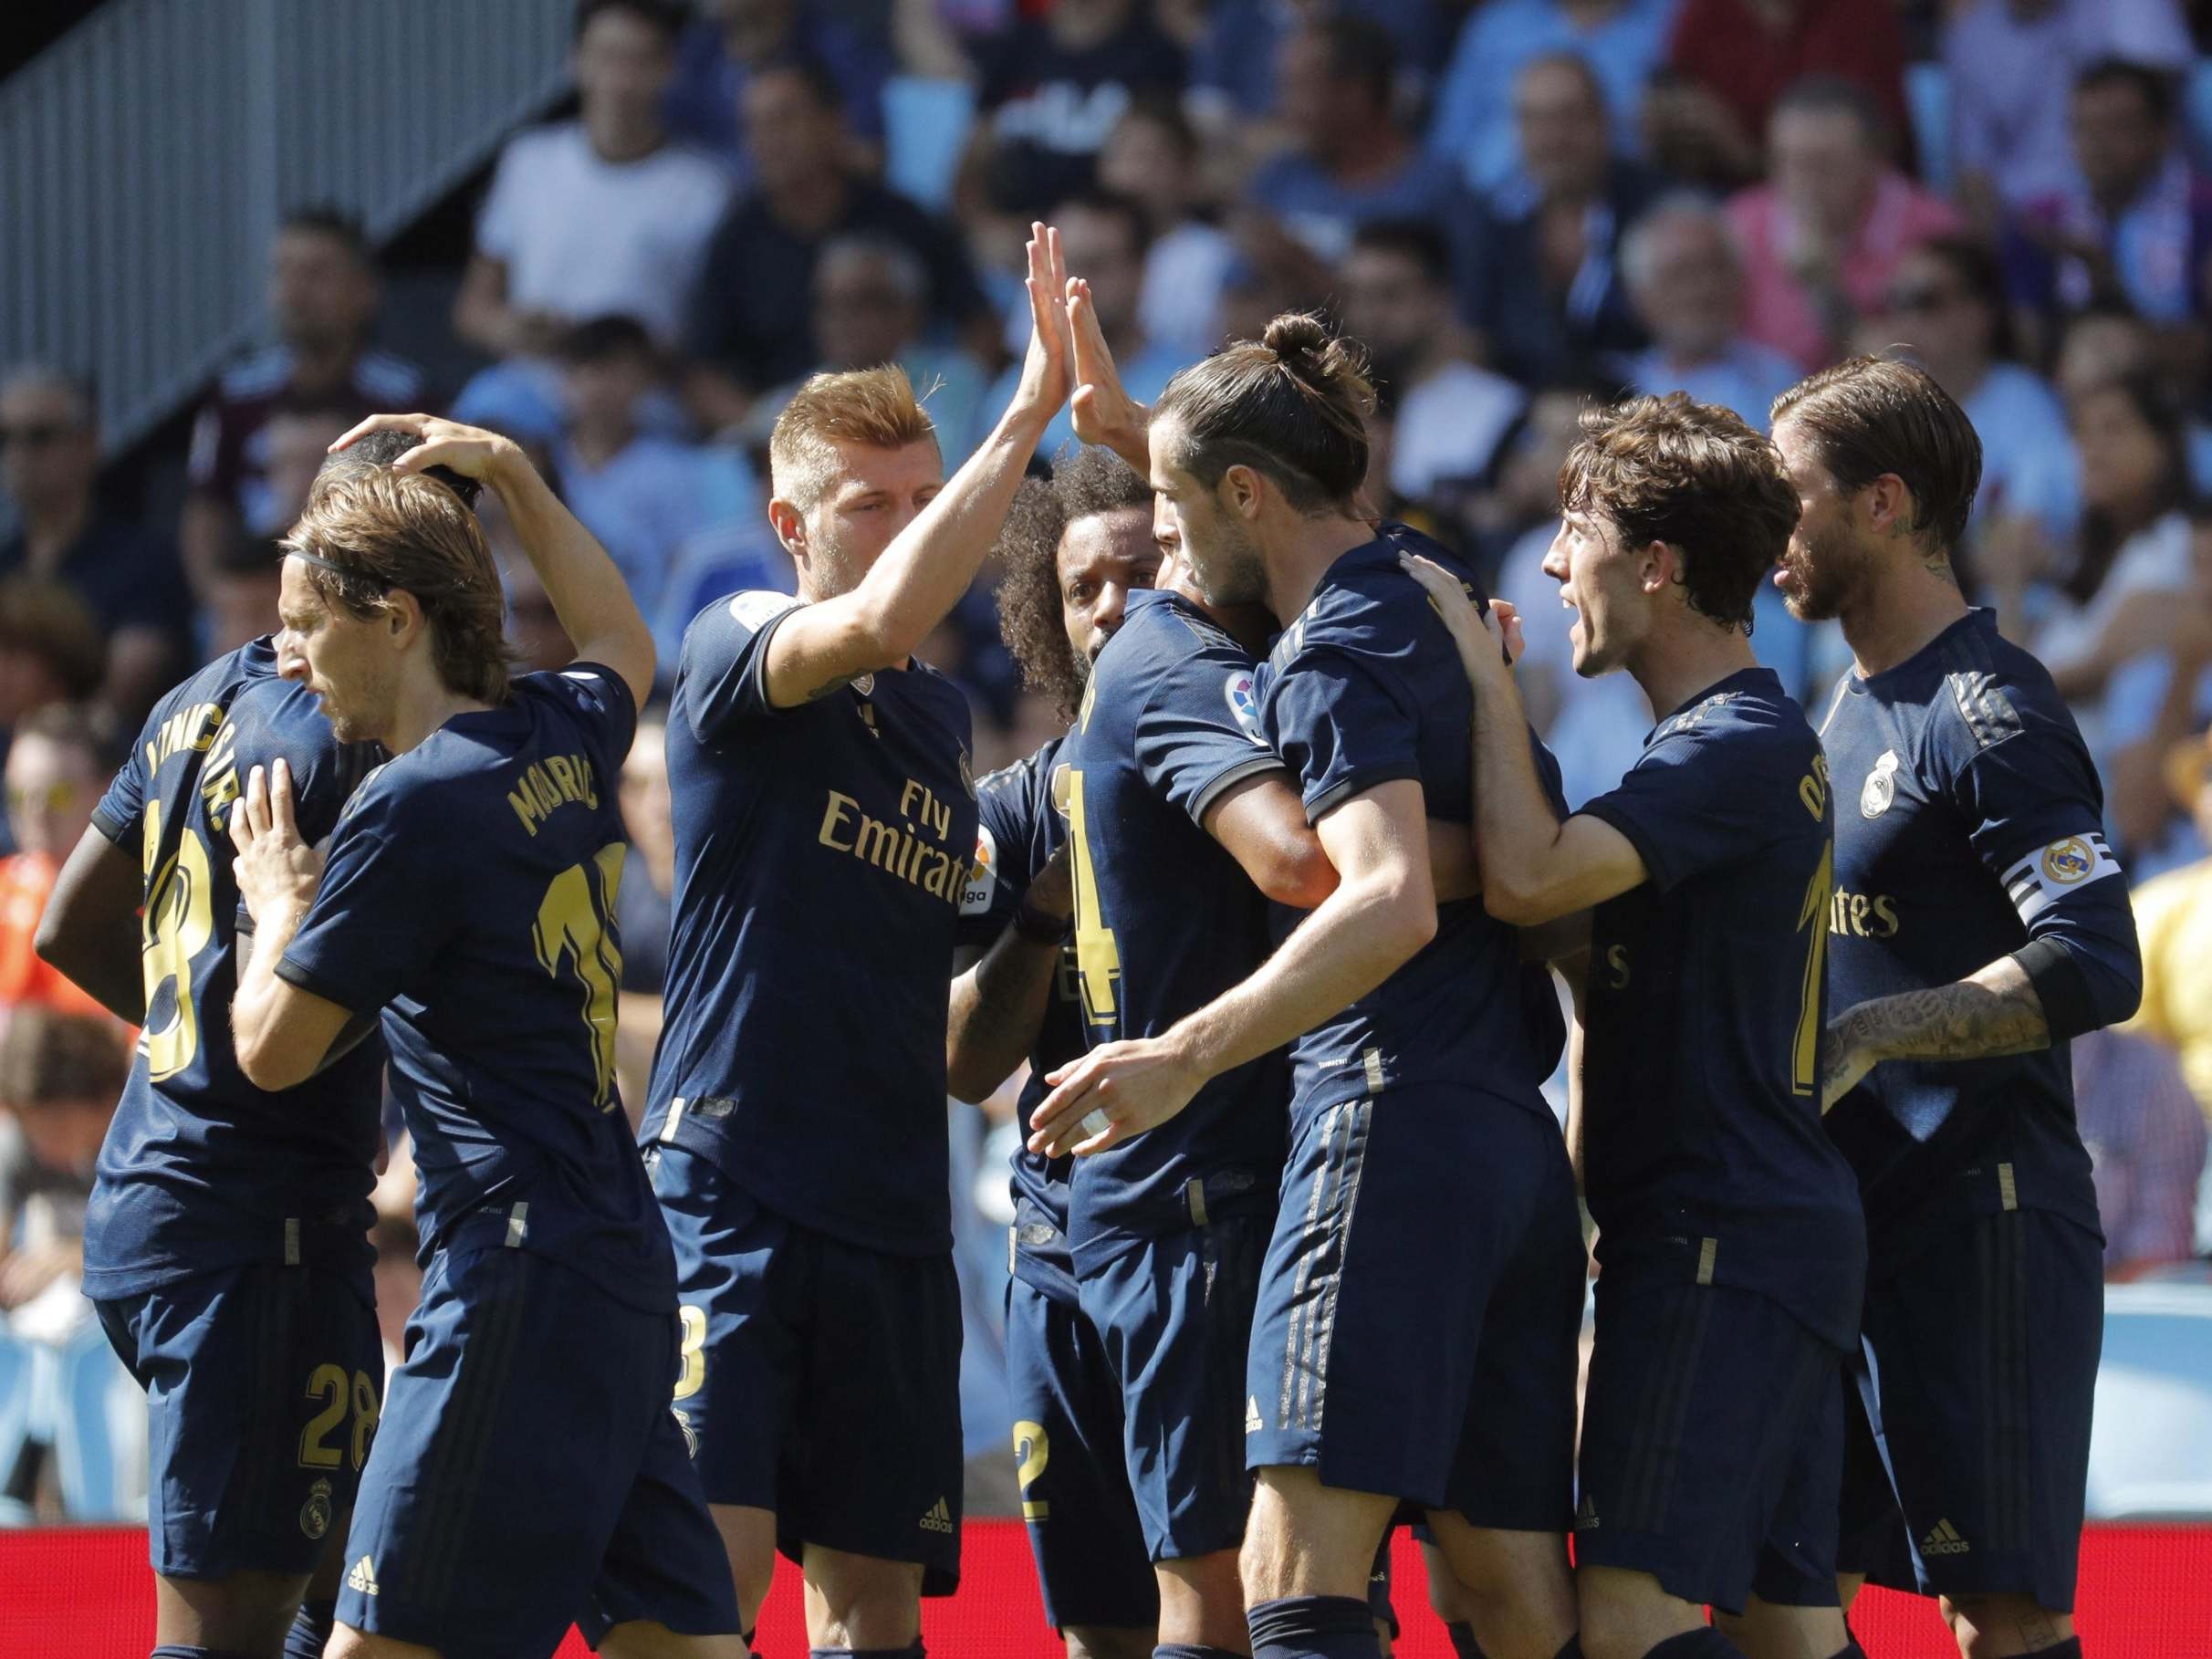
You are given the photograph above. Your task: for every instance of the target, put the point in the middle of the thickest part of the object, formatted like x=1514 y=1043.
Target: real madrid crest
x=1881 y=787
x=864 y=684
x=314 y=1514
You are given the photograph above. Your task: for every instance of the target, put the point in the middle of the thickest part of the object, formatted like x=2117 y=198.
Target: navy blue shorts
x=822 y=1380
x=530 y=1472
x=1075 y=1499
x=263 y=1388
x=1712 y=1444
x=1420 y=1308
x=1969 y=1447
x=1175 y=1314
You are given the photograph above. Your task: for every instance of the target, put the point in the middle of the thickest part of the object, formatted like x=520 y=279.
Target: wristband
x=1038 y=927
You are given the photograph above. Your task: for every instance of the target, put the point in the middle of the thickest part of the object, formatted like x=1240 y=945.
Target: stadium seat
x=1928 y=98
x=925 y=129
x=2150 y=1454
x=99 y=1432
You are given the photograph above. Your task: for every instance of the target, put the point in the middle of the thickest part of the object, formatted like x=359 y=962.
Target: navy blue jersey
x=1706 y=1000
x=1969 y=822
x=1366 y=687
x=1165 y=920
x=1019 y=826
x=821 y=855
x=201 y=1170
x=470 y=894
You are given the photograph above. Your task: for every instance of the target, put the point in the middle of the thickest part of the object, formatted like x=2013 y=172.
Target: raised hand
x=468 y=450
x=1047 y=372
x=1104 y=412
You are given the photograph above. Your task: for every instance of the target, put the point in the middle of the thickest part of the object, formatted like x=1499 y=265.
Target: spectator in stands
x=643 y=906
x=61 y=1075
x=55 y=775
x=1538 y=258
x=1447 y=414
x=641 y=493
x=1686 y=284
x=1102 y=236
x=870 y=306
x=1822 y=242
x=745 y=333
x=1730 y=63
x=1946 y=303
x=1351 y=161
x=601 y=215
x=2135 y=225
x=50 y=650
x=323 y=297
x=1153 y=157
x=49 y=469
x=2010 y=67
x=1233 y=66
x=2173 y=924
x=241 y=592
x=2146 y=1141
x=1622 y=40
x=732 y=39
x=1051 y=88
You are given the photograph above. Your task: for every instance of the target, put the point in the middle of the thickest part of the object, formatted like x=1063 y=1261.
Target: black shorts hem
x=1662 y=1558
x=940 y=1575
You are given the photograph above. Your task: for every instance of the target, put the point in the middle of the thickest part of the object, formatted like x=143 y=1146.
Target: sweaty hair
x=1094 y=481
x=385 y=530
x=1292 y=405
x=1868 y=416
x=874 y=408
x=1696 y=477
x=381 y=448
x=50 y=1057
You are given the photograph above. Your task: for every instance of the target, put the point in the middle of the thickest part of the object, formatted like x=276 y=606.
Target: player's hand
x=1111 y=1094
x=1104 y=412
x=1487 y=644
x=468 y=450
x=275 y=868
x=1047 y=372
x=1844 y=1061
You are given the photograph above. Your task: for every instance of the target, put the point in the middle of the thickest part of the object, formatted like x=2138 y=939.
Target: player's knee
x=247 y=1612
x=861 y=1602
x=1985 y=1626
x=1626 y=1614
x=748 y=1539
x=347 y=1643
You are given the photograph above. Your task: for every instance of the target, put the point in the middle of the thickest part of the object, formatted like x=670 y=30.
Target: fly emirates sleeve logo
x=915 y=846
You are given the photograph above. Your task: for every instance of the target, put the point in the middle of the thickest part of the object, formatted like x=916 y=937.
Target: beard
x=1828 y=572
x=1233 y=571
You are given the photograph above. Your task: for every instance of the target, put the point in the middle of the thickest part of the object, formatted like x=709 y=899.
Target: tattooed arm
x=1994 y=1011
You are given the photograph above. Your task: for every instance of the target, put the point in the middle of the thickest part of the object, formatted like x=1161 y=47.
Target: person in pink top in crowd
x=1823 y=236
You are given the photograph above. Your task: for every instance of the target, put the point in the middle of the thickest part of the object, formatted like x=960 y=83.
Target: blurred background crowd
x=1517 y=206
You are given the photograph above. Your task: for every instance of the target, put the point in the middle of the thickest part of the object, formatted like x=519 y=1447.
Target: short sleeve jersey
x=1966 y=804
x=1702 y=1149
x=1165 y=920
x=470 y=894
x=201 y=1170
x=1020 y=825
x=822 y=856
x=1364 y=688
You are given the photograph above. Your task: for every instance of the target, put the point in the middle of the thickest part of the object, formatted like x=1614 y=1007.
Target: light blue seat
x=926 y=130
x=1927 y=100
x=99 y=1431
x=2150 y=1456
x=18 y=1415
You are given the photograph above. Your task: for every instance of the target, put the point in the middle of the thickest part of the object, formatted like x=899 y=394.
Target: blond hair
x=874 y=408
x=369 y=530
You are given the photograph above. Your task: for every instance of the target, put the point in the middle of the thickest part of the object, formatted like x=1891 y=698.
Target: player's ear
x=403 y=613
x=1889 y=504
x=1658 y=566
x=1240 y=492
x=790 y=525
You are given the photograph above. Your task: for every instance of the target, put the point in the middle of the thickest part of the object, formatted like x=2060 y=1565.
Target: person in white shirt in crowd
x=1450 y=413
x=1686 y=283
x=1153 y=157
x=603 y=216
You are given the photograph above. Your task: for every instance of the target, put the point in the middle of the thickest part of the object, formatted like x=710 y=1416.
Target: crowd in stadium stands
x=1518 y=206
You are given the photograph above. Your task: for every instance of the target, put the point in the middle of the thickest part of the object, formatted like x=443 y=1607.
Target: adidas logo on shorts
x=363 y=1577
x=1253 y=1423
x=938 y=1519
x=1943 y=1540
x=1586 y=1514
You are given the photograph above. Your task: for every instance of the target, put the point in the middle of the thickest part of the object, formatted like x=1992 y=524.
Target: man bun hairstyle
x=1292 y=405
x=367 y=531
x=1868 y=416
x=1692 y=475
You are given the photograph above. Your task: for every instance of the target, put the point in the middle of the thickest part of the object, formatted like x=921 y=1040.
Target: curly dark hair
x=1091 y=481
x=1692 y=475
